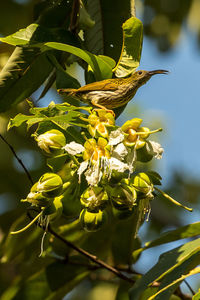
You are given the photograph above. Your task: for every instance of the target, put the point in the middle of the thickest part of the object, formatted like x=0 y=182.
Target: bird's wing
x=103 y=85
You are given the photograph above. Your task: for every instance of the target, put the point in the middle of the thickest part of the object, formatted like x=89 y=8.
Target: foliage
x=93 y=196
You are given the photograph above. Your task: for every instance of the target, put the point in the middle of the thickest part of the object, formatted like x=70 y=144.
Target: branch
x=91 y=257
x=18 y=159
x=133 y=9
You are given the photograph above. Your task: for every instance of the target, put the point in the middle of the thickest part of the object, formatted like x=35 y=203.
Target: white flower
x=73 y=148
x=82 y=168
x=154 y=149
x=93 y=175
x=116 y=164
x=120 y=151
x=116 y=137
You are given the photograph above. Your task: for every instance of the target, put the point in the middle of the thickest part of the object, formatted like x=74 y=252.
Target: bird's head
x=141 y=76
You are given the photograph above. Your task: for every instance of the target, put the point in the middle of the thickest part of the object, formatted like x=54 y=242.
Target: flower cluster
x=97 y=176
x=107 y=162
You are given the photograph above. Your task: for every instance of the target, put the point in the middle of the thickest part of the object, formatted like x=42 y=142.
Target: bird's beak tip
x=158 y=72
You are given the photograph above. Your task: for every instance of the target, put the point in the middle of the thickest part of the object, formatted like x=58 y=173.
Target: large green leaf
x=27 y=69
x=101 y=66
x=105 y=37
x=131 y=49
x=170 y=267
x=24 y=72
x=36 y=34
x=186 y=231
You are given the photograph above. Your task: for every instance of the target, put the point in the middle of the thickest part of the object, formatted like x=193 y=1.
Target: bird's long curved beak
x=158 y=72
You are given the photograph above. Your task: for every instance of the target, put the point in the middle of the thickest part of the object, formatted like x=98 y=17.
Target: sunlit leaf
x=196 y=296
x=131 y=49
x=179 y=280
x=186 y=231
x=171 y=266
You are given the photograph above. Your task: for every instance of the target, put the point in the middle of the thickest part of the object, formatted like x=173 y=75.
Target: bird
x=109 y=94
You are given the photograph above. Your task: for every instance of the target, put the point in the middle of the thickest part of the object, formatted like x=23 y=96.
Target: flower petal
x=120 y=151
x=116 y=164
x=116 y=137
x=73 y=148
x=154 y=149
x=93 y=175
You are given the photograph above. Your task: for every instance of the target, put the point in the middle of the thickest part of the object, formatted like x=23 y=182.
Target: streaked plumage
x=111 y=93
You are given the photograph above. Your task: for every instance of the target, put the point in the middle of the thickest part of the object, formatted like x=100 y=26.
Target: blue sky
x=175 y=100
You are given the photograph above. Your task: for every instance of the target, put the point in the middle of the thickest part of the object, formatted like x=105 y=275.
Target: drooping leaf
x=131 y=49
x=101 y=68
x=171 y=266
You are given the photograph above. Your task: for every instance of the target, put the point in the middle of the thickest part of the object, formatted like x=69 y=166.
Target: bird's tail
x=66 y=91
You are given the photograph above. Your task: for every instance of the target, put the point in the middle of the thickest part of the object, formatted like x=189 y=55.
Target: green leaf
x=105 y=37
x=53 y=113
x=171 y=266
x=179 y=280
x=32 y=34
x=131 y=49
x=101 y=68
x=184 y=232
x=196 y=296
x=154 y=177
x=54 y=282
x=24 y=72
x=35 y=35
x=17 y=244
x=18 y=120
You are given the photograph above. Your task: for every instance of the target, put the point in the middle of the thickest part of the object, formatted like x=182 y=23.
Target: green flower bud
x=142 y=183
x=54 y=211
x=36 y=198
x=94 y=198
x=50 y=185
x=51 y=142
x=91 y=221
x=123 y=196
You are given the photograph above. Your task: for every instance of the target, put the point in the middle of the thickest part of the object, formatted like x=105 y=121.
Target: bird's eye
x=140 y=73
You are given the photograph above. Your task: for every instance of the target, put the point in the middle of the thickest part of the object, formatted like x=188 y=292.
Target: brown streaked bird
x=109 y=94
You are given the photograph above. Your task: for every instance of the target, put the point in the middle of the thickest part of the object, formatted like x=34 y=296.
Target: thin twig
x=18 y=159
x=189 y=287
x=91 y=257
